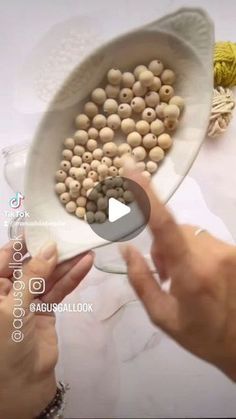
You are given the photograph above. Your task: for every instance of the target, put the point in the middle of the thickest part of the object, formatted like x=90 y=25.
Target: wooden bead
x=113 y=121
x=100 y=217
x=65 y=197
x=134 y=139
x=69 y=143
x=106 y=135
x=121 y=199
x=110 y=149
x=71 y=206
x=81 y=137
x=91 y=145
x=121 y=171
x=87 y=157
x=168 y=77
x=156 y=84
x=171 y=112
x=146 y=174
x=166 y=92
x=124 y=149
x=90 y=109
x=160 y=110
x=83 y=192
x=110 y=106
x=156 y=154
x=93 y=175
x=127 y=125
x=61 y=176
x=79 y=150
x=80 y=212
x=152 y=99
x=117 y=162
x=107 y=161
x=156 y=67
x=102 y=203
x=124 y=110
x=128 y=79
x=91 y=206
x=87 y=183
x=111 y=193
x=92 y=194
x=67 y=181
x=178 y=101
x=149 y=115
x=120 y=192
x=118 y=182
x=142 y=127
x=80 y=174
x=171 y=125
x=92 y=133
x=95 y=164
x=114 y=76
x=157 y=127
x=76 y=161
x=102 y=170
x=138 y=104
x=112 y=91
x=98 y=96
x=82 y=121
x=113 y=171
x=146 y=78
x=89 y=217
x=67 y=154
x=75 y=185
x=165 y=141
x=139 y=89
x=128 y=197
x=149 y=141
x=72 y=172
x=126 y=95
x=99 y=121
x=74 y=194
x=151 y=167
x=139 y=153
x=138 y=70
x=81 y=201
x=65 y=165
x=60 y=188
x=140 y=165
x=97 y=154
x=86 y=167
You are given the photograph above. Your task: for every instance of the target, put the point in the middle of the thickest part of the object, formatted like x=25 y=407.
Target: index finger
x=167 y=233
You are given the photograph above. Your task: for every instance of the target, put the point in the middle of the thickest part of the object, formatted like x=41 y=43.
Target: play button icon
x=116 y=210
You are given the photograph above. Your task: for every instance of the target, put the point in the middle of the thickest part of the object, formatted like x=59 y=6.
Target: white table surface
x=122 y=366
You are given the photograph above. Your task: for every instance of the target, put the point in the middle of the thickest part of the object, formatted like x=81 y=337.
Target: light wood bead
x=113 y=171
x=76 y=161
x=67 y=181
x=87 y=183
x=86 y=167
x=67 y=154
x=91 y=206
x=81 y=201
x=110 y=149
x=151 y=166
x=146 y=78
x=106 y=135
x=156 y=84
x=124 y=110
x=139 y=89
x=74 y=194
x=166 y=92
x=74 y=185
x=95 y=164
x=112 y=91
x=140 y=165
x=126 y=95
x=160 y=110
x=168 y=76
x=99 y=121
x=128 y=79
x=165 y=141
x=114 y=76
x=149 y=115
x=82 y=121
x=114 y=121
x=90 y=109
x=138 y=104
x=107 y=161
x=60 y=188
x=91 y=145
x=171 y=112
x=98 y=96
x=157 y=127
x=80 y=174
x=80 y=212
x=156 y=67
x=98 y=154
x=81 y=137
x=134 y=139
x=83 y=192
x=93 y=175
x=142 y=127
x=124 y=149
x=65 y=165
x=87 y=157
x=71 y=206
x=146 y=174
x=110 y=106
x=127 y=125
x=156 y=154
x=149 y=141
x=69 y=143
x=79 y=150
x=102 y=170
x=138 y=70
x=92 y=133
x=178 y=101
x=117 y=162
x=152 y=99
x=72 y=172
x=171 y=125
x=139 y=153
x=65 y=197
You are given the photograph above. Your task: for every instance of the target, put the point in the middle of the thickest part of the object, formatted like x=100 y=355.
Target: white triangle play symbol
x=116 y=210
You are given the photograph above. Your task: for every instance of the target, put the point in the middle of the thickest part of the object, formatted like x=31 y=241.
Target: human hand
x=199 y=311
x=27 y=368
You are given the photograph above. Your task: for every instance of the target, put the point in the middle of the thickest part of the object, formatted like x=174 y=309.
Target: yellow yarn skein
x=225 y=64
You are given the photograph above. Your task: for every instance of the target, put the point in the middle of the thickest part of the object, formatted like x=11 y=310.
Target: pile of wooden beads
x=140 y=106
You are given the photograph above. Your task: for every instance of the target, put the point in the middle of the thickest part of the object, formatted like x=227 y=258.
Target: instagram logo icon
x=37 y=286
x=16 y=201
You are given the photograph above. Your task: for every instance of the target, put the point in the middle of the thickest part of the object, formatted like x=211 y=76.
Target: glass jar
x=14 y=165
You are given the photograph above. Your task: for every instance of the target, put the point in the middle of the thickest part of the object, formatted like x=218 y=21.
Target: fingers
x=70 y=281
x=159 y=262
x=161 y=307
x=10 y=254
x=166 y=231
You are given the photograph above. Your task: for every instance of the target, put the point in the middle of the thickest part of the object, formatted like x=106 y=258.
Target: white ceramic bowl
x=184 y=42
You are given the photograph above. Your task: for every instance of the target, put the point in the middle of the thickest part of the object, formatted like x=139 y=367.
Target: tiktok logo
x=16 y=201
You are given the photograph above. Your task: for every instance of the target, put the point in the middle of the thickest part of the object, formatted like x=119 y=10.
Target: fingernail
x=124 y=251
x=48 y=250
